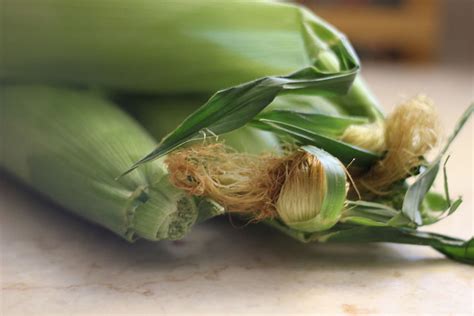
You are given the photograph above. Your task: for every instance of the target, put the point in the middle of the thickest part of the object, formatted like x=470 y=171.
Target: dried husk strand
x=295 y=188
x=239 y=182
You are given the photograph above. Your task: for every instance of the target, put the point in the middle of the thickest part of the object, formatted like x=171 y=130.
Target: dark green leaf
x=345 y=152
x=368 y=214
x=332 y=68
x=454 y=248
x=314 y=122
x=463 y=253
x=232 y=108
x=374 y=208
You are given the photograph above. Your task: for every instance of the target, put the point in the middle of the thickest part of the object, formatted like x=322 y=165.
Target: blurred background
x=415 y=31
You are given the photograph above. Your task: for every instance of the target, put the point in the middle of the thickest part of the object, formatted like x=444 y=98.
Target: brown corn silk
x=241 y=183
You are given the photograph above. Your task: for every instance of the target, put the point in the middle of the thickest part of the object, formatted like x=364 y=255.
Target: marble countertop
x=56 y=264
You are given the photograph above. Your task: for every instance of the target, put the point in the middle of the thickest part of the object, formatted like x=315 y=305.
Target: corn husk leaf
x=329 y=125
x=347 y=153
x=364 y=221
x=367 y=213
x=159 y=115
x=71 y=145
x=454 y=248
x=304 y=103
x=170 y=47
x=417 y=191
x=232 y=108
x=333 y=203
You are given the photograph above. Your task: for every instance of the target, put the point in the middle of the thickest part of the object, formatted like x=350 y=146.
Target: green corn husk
x=364 y=221
x=266 y=56
x=171 y=47
x=160 y=115
x=316 y=206
x=72 y=145
x=328 y=220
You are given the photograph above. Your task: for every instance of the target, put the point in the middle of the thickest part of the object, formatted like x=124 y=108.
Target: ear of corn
x=72 y=145
x=288 y=49
x=190 y=46
x=304 y=216
x=363 y=221
x=263 y=59
x=138 y=46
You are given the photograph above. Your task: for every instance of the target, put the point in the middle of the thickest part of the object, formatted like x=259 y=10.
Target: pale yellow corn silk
x=261 y=187
x=302 y=194
x=368 y=136
x=411 y=131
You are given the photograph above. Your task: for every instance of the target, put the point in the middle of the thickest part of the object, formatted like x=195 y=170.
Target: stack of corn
x=89 y=88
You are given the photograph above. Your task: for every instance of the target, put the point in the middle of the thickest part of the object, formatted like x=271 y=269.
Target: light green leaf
x=333 y=203
x=345 y=152
x=363 y=221
x=232 y=108
x=368 y=213
x=314 y=122
x=418 y=190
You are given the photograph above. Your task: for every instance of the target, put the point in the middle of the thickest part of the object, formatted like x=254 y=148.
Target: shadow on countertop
x=58 y=263
x=28 y=217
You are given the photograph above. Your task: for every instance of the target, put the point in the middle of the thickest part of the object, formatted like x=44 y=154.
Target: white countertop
x=54 y=263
